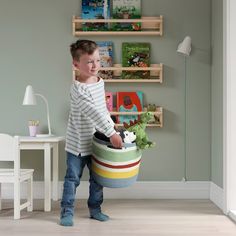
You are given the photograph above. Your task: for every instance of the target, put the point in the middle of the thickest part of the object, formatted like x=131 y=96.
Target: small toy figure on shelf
x=138 y=127
x=151 y=107
x=156 y=118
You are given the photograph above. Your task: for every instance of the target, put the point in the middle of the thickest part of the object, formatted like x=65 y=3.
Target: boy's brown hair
x=81 y=47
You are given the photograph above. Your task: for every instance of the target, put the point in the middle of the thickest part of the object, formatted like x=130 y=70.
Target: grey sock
x=100 y=216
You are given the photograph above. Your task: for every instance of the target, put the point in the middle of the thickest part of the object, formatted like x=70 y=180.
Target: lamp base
x=183 y=179
x=44 y=135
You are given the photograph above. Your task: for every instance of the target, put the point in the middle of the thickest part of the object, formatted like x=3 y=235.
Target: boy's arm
x=110 y=119
x=80 y=100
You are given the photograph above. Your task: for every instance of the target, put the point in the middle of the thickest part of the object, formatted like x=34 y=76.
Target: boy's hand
x=116 y=141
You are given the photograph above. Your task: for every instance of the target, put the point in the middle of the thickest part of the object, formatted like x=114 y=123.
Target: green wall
x=35 y=38
x=217 y=93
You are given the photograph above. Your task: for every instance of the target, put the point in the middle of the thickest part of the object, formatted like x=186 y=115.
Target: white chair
x=10 y=151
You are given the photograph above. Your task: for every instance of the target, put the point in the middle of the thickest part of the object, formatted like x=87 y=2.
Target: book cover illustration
x=126 y=9
x=129 y=102
x=106 y=58
x=95 y=9
x=109 y=100
x=135 y=55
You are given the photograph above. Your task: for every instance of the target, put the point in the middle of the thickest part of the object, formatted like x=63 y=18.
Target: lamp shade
x=29 y=98
x=185 y=46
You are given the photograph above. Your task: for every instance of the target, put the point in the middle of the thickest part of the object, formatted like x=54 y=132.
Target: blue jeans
x=75 y=167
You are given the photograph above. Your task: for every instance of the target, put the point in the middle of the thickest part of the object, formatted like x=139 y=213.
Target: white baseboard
x=216 y=195
x=140 y=190
x=161 y=190
x=232 y=215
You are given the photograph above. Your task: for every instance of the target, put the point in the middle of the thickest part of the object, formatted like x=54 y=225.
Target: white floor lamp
x=184 y=48
x=29 y=99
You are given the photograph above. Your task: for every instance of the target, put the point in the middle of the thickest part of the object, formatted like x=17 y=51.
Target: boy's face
x=88 y=65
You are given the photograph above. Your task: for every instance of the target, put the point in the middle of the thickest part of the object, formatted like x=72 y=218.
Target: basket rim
x=126 y=145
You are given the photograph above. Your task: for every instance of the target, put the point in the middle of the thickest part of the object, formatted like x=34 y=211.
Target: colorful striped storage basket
x=115 y=168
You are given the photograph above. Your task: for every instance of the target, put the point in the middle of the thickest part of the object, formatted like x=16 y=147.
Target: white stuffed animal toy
x=127 y=136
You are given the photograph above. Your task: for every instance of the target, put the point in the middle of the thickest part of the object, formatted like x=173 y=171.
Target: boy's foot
x=100 y=216
x=66 y=220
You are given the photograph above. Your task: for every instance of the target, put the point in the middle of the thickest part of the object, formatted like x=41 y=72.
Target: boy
x=88 y=111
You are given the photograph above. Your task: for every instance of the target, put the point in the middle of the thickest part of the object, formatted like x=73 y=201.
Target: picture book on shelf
x=135 y=55
x=106 y=58
x=109 y=100
x=126 y=9
x=129 y=102
x=95 y=9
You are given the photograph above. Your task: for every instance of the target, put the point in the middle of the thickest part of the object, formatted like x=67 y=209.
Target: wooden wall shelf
x=156 y=73
x=158 y=116
x=149 y=26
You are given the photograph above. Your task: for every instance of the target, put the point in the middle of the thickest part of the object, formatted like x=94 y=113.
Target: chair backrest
x=8 y=147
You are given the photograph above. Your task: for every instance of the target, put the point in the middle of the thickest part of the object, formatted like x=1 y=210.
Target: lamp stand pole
x=184 y=179
x=48 y=118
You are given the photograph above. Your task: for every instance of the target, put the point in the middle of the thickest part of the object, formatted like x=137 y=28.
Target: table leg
x=55 y=172
x=47 y=177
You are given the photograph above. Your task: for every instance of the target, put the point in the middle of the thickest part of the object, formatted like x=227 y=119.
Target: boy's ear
x=75 y=63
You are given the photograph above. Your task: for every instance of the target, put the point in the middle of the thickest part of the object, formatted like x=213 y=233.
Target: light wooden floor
x=128 y=217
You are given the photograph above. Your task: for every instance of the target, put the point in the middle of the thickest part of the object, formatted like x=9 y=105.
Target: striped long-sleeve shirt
x=88 y=112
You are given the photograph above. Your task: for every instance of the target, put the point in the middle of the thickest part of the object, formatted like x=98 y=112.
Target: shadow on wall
x=202 y=56
x=170 y=122
x=169 y=74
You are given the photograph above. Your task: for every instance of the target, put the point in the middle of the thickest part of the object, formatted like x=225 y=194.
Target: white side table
x=46 y=143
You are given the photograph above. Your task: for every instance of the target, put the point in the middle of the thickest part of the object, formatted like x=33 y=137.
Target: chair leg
x=17 y=199
x=30 y=193
x=0 y=196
